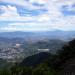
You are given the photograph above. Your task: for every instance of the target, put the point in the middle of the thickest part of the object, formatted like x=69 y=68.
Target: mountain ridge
x=58 y=34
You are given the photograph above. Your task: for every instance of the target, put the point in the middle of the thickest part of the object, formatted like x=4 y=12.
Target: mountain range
x=58 y=34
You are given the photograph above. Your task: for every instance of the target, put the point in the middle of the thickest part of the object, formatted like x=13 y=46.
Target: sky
x=37 y=15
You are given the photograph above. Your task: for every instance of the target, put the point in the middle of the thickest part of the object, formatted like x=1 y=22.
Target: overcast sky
x=37 y=15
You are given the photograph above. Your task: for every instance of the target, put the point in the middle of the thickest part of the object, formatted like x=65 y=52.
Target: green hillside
x=62 y=63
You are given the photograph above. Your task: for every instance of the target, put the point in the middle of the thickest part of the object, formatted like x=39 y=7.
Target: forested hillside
x=62 y=63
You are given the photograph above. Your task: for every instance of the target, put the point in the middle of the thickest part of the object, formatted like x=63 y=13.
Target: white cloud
x=22 y=3
x=11 y=14
x=9 y=28
x=29 y=25
x=9 y=11
x=38 y=1
x=43 y=18
x=59 y=21
x=53 y=19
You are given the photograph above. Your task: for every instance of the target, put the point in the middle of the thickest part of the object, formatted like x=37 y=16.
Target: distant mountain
x=58 y=34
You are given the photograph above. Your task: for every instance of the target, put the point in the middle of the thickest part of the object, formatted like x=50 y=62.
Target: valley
x=15 y=46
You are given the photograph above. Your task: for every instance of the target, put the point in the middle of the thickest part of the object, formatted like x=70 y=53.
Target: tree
x=43 y=69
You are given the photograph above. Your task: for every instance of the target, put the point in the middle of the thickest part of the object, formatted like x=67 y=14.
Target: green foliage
x=27 y=71
x=43 y=69
x=5 y=72
x=50 y=66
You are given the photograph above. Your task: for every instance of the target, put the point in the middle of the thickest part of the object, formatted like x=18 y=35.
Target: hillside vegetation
x=62 y=63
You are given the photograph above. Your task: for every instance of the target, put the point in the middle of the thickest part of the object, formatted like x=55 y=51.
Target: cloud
x=9 y=11
x=39 y=1
x=20 y=27
x=54 y=18
x=11 y=14
x=22 y=3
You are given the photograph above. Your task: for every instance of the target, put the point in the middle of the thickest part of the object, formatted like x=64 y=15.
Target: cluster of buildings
x=12 y=53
